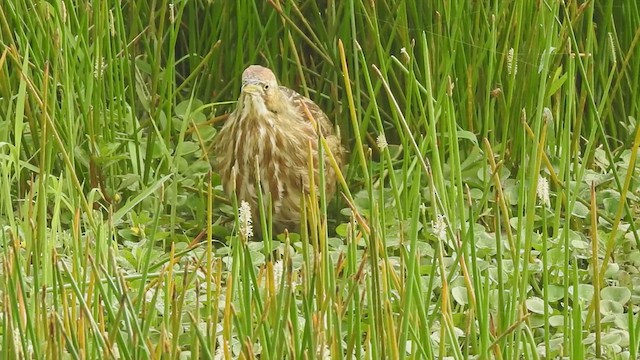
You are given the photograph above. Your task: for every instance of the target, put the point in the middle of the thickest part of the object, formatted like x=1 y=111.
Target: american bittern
x=270 y=132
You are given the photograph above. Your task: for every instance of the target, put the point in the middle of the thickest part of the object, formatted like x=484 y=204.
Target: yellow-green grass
x=489 y=208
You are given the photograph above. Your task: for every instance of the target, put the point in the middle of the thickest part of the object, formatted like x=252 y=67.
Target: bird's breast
x=259 y=156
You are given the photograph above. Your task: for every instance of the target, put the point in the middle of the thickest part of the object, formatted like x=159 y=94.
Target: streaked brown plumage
x=270 y=124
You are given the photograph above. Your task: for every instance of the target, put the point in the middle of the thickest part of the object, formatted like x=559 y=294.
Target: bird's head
x=260 y=90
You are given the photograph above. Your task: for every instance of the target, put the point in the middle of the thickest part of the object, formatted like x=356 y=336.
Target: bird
x=268 y=137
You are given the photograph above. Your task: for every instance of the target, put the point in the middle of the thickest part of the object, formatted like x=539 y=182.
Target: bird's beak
x=251 y=88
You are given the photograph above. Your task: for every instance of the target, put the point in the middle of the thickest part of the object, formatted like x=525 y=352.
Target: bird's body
x=268 y=137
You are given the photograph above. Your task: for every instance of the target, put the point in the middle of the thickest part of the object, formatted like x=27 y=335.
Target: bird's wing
x=300 y=101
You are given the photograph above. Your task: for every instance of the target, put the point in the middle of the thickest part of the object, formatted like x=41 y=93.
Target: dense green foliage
x=489 y=209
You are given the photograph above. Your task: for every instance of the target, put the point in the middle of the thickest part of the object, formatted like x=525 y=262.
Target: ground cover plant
x=488 y=208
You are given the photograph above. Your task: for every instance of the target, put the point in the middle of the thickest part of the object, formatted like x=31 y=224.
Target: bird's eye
x=265 y=86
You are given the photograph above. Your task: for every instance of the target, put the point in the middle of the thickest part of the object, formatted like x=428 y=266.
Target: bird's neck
x=255 y=110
